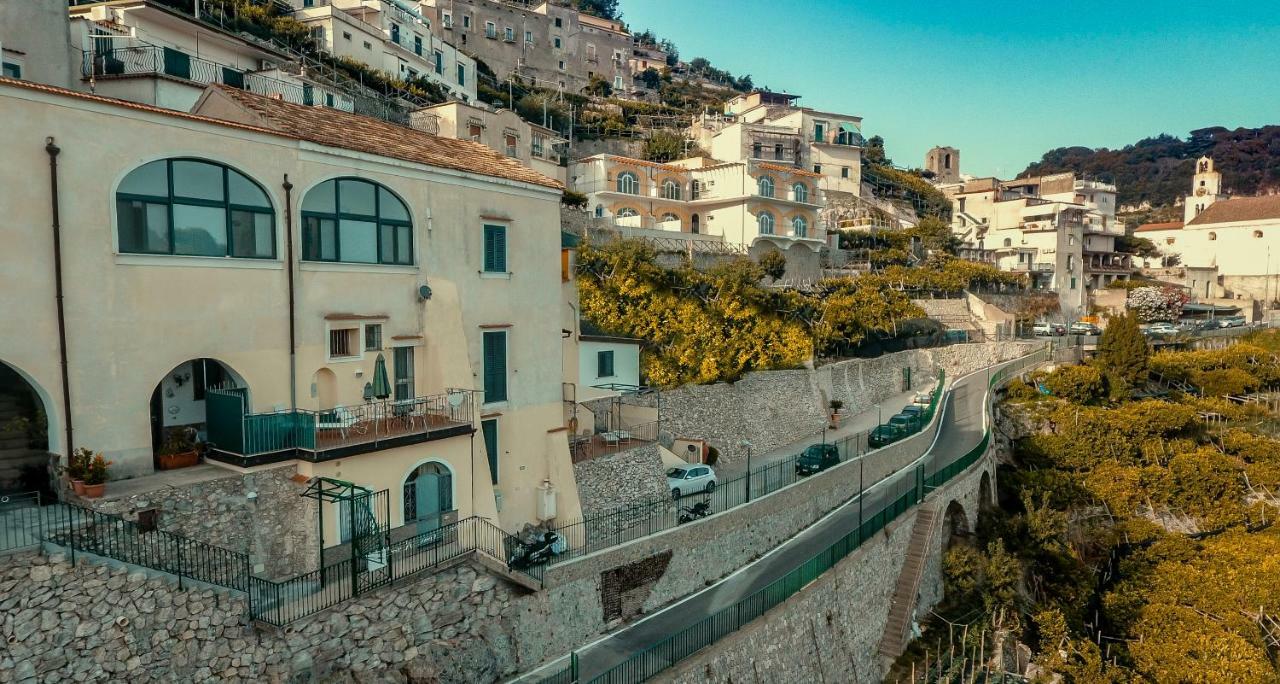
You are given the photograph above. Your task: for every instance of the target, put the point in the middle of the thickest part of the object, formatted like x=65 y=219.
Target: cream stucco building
x=296 y=285
x=769 y=127
x=1059 y=230
x=537 y=147
x=742 y=204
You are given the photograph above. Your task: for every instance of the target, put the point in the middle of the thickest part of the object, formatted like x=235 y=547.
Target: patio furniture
x=341 y=419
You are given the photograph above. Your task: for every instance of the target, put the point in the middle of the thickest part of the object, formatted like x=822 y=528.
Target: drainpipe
x=288 y=267
x=52 y=150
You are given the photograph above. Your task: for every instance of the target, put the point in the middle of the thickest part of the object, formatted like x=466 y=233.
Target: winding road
x=960 y=430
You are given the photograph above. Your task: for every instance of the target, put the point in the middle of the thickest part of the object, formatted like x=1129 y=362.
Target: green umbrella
x=381 y=388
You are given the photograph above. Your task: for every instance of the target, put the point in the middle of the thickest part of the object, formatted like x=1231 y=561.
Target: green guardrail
x=658 y=657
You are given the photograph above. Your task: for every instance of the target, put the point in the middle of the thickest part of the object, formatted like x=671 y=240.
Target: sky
x=1004 y=82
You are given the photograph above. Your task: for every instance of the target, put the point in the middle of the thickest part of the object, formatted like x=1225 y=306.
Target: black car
x=884 y=435
x=817 y=458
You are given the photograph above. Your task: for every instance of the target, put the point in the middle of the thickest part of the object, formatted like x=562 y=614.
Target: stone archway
x=325 y=391
x=178 y=400
x=26 y=432
x=986 y=496
x=955 y=525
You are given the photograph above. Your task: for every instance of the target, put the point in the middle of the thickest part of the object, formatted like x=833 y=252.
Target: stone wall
x=276 y=526
x=622 y=479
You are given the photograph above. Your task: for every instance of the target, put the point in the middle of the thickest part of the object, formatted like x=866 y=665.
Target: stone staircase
x=902 y=606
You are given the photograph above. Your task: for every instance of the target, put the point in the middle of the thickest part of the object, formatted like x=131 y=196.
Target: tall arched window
x=764 y=221
x=1008 y=242
x=765 y=186
x=195 y=208
x=801 y=192
x=626 y=212
x=799 y=227
x=628 y=183
x=668 y=218
x=671 y=190
x=356 y=221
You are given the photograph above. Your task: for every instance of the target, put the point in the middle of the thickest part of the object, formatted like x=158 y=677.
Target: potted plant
x=77 y=465
x=95 y=477
x=178 y=450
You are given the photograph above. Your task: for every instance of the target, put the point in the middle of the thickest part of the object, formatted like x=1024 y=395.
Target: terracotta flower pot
x=94 y=491
x=77 y=486
x=185 y=459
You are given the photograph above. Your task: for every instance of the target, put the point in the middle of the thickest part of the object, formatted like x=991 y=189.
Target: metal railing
x=628 y=523
x=648 y=662
x=233 y=431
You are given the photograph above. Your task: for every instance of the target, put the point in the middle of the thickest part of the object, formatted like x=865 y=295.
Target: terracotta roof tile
x=1171 y=225
x=1240 y=209
x=788 y=169
x=336 y=128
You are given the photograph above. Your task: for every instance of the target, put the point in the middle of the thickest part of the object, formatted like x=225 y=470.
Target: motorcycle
x=529 y=554
x=696 y=512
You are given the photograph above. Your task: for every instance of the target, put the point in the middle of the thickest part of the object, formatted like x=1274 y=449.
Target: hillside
x=1158 y=170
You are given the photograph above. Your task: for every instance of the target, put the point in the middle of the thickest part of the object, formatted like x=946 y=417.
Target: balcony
x=1108 y=262
x=248 y=439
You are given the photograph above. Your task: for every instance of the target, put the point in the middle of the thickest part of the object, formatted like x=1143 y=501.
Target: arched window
x=628 y=183
x=1213 y=236
x=667 y=218
x=671 y=190
x=799 y=227
x=195 y=208
x=765 y=186
x=355 y=221
x=1008 y=242
x=627 y=212
x=764 y=221
x=801 y=192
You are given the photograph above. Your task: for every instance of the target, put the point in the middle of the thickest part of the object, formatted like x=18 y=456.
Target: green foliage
x=773 y=263
x=606 y=9
x=663 y=146
x=598 y=87
x=1137 y=246
x=1123 y=353
x=1157 y=170
x=907 y=186
x=1077 y=384
x=651 y=78
x=575 y=199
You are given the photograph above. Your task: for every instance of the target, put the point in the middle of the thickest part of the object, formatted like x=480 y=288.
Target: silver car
x=689 y=479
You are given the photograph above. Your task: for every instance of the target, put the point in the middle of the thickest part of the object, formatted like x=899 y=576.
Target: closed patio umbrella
x=381 y=387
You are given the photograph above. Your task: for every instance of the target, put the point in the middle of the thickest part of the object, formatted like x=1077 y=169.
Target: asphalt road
x=960 y=431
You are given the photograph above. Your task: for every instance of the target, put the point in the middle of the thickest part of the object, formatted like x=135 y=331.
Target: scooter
x=690 y=513
x=539 y=552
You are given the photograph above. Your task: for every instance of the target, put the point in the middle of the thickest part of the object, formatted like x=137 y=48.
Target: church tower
x=1206 y=186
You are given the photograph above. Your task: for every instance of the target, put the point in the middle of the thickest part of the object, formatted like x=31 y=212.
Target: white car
x=688 y=479
x=1162 y=329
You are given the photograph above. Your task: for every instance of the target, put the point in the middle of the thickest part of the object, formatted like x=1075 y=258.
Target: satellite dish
x=456 y=398
x=424 y=292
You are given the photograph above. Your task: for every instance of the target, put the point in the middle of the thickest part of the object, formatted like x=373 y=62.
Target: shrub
x=1076 y=384
x=774 y=264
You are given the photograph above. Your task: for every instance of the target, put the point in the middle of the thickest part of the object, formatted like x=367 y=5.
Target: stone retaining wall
x=619 y=480
x=276 y=526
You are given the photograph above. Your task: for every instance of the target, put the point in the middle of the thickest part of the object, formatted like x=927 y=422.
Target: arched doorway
x=24 y=433
x=325 y=391
x=178 y=401
x=428 y=494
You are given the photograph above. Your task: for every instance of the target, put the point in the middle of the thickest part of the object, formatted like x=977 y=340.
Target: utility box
x=546 y=498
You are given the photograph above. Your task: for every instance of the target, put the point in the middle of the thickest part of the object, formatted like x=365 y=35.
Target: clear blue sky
x=1002 y=81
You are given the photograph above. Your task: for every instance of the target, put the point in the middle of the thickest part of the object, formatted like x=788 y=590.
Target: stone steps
x=902 y=605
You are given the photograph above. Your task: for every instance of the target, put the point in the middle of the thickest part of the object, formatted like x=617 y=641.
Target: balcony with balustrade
x=242 y=438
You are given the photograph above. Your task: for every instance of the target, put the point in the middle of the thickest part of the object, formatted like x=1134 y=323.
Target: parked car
x=923 y=398
x=817 y=458
x=905 y=422
x=884 y=435
x=1042 y=328
x=1161 y=328
x=688 y=479
x=914 y=410
x=1085 y=328
x=1232 y=321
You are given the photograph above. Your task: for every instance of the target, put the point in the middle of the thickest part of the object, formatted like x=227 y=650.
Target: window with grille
x=342 y=343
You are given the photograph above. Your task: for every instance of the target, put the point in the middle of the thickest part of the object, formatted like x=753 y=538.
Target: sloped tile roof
x=1239 y=209
x=341 y=129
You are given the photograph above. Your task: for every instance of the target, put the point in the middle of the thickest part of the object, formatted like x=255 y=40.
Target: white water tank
x=546 y=501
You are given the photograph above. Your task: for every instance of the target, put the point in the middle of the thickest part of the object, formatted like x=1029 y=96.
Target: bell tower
x=1206 y=186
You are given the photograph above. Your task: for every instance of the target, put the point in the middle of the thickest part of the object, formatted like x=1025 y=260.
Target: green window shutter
x=495 y=249
x=495 y=366
x=177 y=63
x=490 y=430
x=233 y=78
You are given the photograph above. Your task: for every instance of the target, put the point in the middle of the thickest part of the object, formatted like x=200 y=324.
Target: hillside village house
x=147 y=52
x=769 y=127
x=298 y=285
x=503 y=130
x=547 y=44
x=742 y=204
x=390 y=35
x=1224 y=246
x=1059 y=230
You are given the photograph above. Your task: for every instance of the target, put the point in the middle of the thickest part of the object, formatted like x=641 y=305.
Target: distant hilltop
x=1154 y=171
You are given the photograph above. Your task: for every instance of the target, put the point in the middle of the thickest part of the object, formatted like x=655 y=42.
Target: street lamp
x=747 y=445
